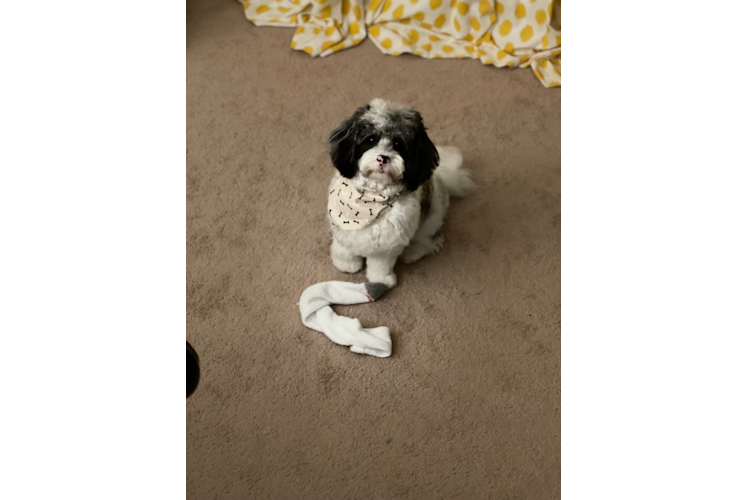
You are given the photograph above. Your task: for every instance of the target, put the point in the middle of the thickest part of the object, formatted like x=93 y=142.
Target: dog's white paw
x=388 y=279
x=438 y=241
x=418 y=249
x=348 y=265
x=412 y=253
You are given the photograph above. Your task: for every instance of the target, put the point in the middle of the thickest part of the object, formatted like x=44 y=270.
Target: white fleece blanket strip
x=317 y=314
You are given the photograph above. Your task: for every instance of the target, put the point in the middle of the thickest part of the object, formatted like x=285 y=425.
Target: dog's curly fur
x=422 y=176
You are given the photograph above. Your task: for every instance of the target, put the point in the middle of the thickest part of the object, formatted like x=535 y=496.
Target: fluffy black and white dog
x=391 y=192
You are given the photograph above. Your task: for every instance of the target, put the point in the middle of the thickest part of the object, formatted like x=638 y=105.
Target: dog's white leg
x=427 y=239
x=344 y=259
x=380 y=268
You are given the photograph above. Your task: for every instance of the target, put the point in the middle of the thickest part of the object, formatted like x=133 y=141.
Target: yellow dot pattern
x=506 y=33
x=505 y=28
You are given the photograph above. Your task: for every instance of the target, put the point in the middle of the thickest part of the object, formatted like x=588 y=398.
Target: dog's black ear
x=422 y=158
x=343 y=142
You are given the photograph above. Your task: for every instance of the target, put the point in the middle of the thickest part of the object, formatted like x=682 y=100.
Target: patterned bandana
x=351 y=209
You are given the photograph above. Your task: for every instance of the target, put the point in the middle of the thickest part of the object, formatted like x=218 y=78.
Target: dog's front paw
x=388 y=279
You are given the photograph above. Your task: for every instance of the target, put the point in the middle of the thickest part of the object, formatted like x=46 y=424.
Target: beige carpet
x=468 y=406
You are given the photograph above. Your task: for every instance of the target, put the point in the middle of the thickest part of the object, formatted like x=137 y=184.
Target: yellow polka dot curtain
x=509 y=33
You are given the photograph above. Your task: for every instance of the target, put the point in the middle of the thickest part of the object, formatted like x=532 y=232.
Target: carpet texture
x=468 y=406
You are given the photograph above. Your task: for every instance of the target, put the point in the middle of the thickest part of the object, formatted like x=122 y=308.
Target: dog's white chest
x=394 y=228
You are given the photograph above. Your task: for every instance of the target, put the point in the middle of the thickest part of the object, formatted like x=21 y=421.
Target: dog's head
x=384 y=143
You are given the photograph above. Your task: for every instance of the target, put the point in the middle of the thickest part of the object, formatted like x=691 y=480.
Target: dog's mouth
x=381 y=170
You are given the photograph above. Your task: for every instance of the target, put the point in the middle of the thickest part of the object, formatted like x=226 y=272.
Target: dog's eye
x=371 y=139
x=397 y=143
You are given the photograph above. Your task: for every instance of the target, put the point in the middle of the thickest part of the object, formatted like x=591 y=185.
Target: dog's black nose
x=384 y=160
